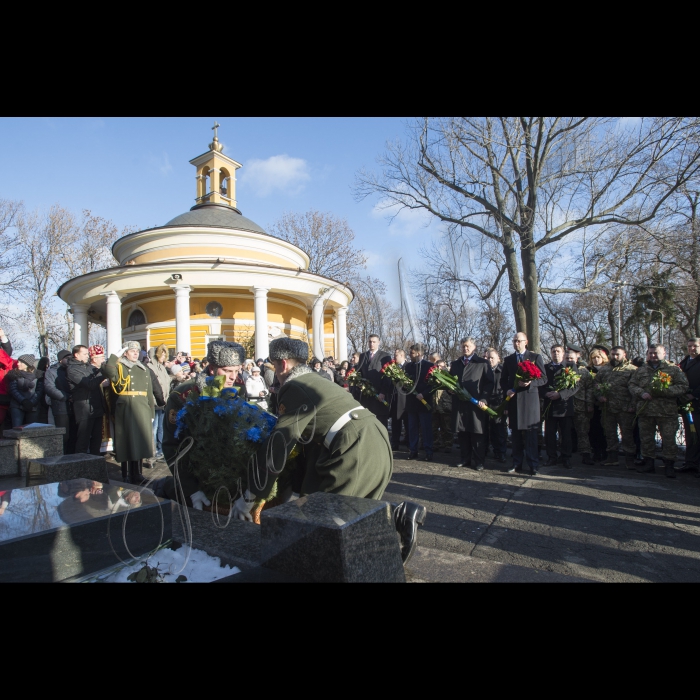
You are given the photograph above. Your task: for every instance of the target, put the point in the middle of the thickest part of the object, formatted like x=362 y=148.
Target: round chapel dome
x=217 y=215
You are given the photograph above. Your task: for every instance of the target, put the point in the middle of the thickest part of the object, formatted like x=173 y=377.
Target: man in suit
x=397 y=413
x=524 y=406
x=370 y=368
x=497 y=430
x=552 y=423
x=469 y=421
x=691 y=367
x=419 y=415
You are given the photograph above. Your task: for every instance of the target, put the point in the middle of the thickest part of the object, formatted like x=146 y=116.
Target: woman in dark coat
x=134 y=410
x=24 y=392
x=42 y=407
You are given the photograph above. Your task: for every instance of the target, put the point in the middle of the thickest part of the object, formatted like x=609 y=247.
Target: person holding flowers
x=419 y=403
x=523 y=374
x=690 y=364
x=656 y=386
x=469 y=420
x=611 y=392
x=369 y=367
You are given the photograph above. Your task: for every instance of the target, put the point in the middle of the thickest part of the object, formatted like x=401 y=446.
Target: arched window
x=136 y=318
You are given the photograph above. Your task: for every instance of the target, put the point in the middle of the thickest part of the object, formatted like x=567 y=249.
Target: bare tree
x=530 y=182
x=12 y=272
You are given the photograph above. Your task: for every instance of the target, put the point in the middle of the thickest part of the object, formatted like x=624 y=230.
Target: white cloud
x=283 y=173
x=405 y=222
x=628 y=122
x=160 y=163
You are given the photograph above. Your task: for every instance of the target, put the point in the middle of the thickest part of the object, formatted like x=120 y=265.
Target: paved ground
x=597 y=523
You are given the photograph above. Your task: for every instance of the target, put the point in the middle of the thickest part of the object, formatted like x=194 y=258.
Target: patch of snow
x=198 y=567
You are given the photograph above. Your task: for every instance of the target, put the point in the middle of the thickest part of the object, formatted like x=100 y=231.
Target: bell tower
x=216 y=174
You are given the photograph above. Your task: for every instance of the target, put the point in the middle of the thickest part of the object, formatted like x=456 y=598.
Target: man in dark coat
x=420 y=419
x=370 y=367
x=134 y=410
x=524 y=406
x=398 y=415
x=57 y=388
x=84 y=381
x=474 y=374
x=690 y=364
x=497 y=429
x=552 y=423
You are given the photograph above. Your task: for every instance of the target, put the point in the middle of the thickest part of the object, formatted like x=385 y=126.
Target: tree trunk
x=514 y=283
x=532 y=298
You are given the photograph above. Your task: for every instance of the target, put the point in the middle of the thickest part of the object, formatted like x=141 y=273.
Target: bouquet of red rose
x=399 y=378
x=526 y=372
x=442 y=379
x=354 y=379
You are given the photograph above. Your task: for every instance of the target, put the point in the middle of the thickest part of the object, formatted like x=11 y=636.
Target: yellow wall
x=213 y=252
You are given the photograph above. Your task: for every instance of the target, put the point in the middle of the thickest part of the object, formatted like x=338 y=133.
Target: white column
x=80 y=324
x=317 y=327
x=114 y=323
x=262 y=348
x=182 y=317
x=341 y=332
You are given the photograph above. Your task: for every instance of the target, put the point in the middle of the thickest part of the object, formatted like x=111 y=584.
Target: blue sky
x=136 y=172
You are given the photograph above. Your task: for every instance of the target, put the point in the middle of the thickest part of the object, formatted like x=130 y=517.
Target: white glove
x=122 y=351
x=199 y=500
x=243 y=506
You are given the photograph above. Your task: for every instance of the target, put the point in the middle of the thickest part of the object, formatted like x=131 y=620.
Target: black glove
x=27 y=405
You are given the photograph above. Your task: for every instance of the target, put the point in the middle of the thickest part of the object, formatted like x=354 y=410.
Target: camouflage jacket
x=443 y=401
x=618 y=396
x=666 y=405
x=583 y=396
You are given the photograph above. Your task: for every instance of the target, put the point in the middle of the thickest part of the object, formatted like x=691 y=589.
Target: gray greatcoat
x=133 y=414
x=526 y=402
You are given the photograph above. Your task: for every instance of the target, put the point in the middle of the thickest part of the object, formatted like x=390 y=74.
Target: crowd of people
x=118 y=405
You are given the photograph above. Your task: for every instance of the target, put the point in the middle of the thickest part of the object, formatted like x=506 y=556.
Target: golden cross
x=214 y=129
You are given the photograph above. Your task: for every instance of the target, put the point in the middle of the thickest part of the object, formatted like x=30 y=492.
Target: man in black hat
x=57 y=388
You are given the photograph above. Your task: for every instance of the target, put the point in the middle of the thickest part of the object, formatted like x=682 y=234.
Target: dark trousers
x=89 y=435
x=396 y=425
x=425 y=421
x=524 y=444
x=67 y=421
x=498 y=435
x=599 y=444
x=472 y=447
x=564 y=426
x=692 y=442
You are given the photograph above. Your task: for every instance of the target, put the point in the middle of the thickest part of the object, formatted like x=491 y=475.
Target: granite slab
x=9 y=455
x=49 y=470
x=54 y=532
x=325 y=537
x=15 y=434
x=36 y=443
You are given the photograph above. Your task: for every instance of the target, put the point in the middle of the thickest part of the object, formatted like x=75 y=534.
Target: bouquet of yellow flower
x=399 y=378
x=355 y=379
x=660 y=382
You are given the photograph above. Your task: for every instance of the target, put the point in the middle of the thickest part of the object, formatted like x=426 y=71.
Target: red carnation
x=527 y=371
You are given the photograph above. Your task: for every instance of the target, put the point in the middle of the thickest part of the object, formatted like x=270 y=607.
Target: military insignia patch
x=172 y=416
x=281 y=409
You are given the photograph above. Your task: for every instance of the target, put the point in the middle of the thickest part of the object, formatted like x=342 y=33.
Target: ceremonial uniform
x=346 y=449
x=619 y=409
x=661 y=410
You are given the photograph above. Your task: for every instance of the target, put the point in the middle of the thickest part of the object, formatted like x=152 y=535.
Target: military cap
x=573 y=347
x=225 y=354
x=605 y=349
x=133 y=345
x=288 y=349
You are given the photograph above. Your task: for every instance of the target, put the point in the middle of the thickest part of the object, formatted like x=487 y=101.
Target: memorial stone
x=55 y=532
x=324 y=537
x=35 y=443
x=49 y=470
x=9 y=453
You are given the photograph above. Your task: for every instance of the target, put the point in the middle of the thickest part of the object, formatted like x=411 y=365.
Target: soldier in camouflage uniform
x=583 y=404
x=611 y=392
x=655 y=409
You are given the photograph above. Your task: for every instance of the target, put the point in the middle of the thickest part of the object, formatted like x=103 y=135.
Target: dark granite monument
x=48 y=470
x=328 y=538
x=9 y=453
x=59 y=531
x=35 y=443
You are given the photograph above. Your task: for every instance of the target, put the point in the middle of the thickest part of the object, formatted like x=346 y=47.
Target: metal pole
x=619 y=316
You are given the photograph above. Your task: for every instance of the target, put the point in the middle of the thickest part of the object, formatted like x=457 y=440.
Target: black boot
x=629 y=460
x=125 y=472
x=586 y=458
x=134 y=475
x=407 y=517
x=647 y=467
x=668 y=468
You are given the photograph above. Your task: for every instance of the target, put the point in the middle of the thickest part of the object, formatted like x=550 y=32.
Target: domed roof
x=215 y=215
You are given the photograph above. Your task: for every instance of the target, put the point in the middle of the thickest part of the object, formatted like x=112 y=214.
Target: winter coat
x=524 y=407
x=692 y=373
x=417 y=372
x=254 y=386
x=57 y=389
x=269 y=374
x=84 y=381
x=134 y=409
x=163 y=377
x=23 y=386
x=476 y=377
x=564 y=405
x=6 y=364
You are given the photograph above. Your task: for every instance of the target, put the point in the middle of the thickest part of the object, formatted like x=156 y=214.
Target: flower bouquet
x=568 y=378
x=660 y=382
x=688 y=410
x=441 y=379
x=226 y=433
x=602 y=389
x=526 y=372
x=399 y=378
x=355 y=379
